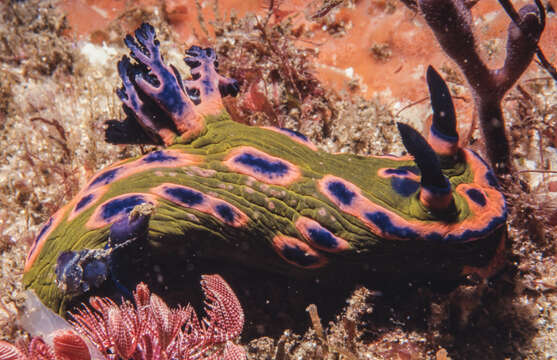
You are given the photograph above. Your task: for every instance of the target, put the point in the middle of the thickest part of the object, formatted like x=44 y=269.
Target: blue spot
x=299 y=256
x=120 y=206
x=158 y=156
x=403 y=170
x=262 y=165
x=225 y=212
x=341 y=192
x=469 y=234
x=383 y=221
x=323 y=237
x=44 y=229
x=294 y=133
x=186 y=196
x=476 y=196
x=126 y=229
x=398 y=171
x=105 y=178
x=404 y=186
x=479 y=157
x=491 y=179
x=434 y=236
x=84 y=201
x=489 y=176
x=413 y=169
x=41 y=234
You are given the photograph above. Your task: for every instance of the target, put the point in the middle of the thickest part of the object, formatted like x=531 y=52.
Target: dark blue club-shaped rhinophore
x=426 y=159
x=444 y=117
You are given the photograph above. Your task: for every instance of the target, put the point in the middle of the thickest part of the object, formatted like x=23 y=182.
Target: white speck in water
x=98 y=55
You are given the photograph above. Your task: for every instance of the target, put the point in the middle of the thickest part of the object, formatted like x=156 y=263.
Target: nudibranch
x=221 y=192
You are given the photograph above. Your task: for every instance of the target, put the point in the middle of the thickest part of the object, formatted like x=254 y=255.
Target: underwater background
x=340 y=72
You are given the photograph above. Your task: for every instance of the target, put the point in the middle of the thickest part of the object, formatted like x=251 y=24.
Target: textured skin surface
x=265 y=198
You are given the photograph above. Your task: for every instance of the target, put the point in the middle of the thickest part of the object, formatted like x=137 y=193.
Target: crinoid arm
x=160 y=109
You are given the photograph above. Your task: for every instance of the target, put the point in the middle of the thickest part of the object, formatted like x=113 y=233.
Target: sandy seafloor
x=362 y=66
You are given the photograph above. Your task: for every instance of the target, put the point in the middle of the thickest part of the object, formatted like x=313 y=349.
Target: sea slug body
x=263 y=197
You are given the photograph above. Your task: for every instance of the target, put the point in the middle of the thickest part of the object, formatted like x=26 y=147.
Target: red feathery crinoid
x=150 y=330
x=10 y=352
x=226 y=316
x=70 y=346
x=67 y=346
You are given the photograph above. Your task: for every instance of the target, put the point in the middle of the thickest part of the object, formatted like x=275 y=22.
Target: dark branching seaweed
x=451 y=23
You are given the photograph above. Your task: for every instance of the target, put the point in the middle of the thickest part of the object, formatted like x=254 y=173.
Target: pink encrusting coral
x=146 y=330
